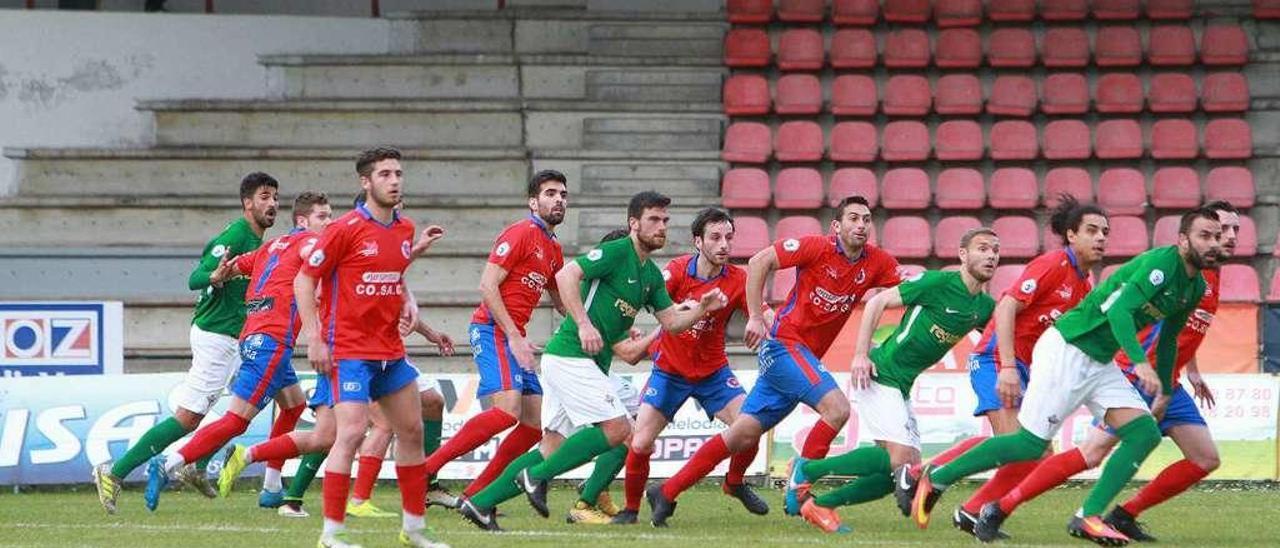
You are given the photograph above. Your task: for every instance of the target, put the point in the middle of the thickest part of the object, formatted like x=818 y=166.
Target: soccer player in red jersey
x=833 y=272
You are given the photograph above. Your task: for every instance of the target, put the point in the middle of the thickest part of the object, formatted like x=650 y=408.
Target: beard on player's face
x=550 y=212
x=652 y=240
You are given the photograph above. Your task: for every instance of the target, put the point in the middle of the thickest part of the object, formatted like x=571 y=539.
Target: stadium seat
x=1128 y=236
x=1011 y=10
x=798 y=188
x=1230 y=183
x=1122 y=191
x=798 y=94
x=1067 y=180
x=905 y=141
x=906 y=11
x=796 y=226
x=798 y=141
x=745 y=187
x=750 y=12
x=1115 y=10
x=1066 y=140
x=1118 y=92
x=854 y=142
x=1011 y=47
x=783 y=280
x=1012 y=96
x=905 y=188
x=1064 y=93
x=746 y=95
x=1006 y=275
x=801 y=49
x=1169 y=9
x=906 y=237
x=1174 y=139
x=1064 y=10
x=853 y=49
x=1052 y=242
x=1171 y=45
x=1065 y=47
x=746 y=47
x=1247 y=239
x=1266 y=9
x=1117 y=46
x=1228 y=138
x=1013 y=188
x=1224 y=45
x=853 y=181
x=801 y=11
x=906 y=48
x=747 y=142
x=958 y=94
x=750 y=234
x=958 y=48
x=1225 y=92
x=946 y=235
x=1014 y=140
x=957 y=13
x=1239 y=284
x=1019 y=236
x=958 y=140
x=907 y=95
x=855 y=12
x=1172 y=92
x=1166 y=231
x=960 y=188
x=1107 y=271
x=1175 y=187
x=1118 y=139
x=854 y=95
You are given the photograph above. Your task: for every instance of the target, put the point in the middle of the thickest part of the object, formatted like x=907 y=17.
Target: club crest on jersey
x=594 y=254
x=791 y=244
x=218 y=251
x=317 y=257
x=368 y=248
x=278 y=245
x=666 y=275
x=405 y=248
x=537 y=252
x=861 y=277
x=732 y=382
x=1156 y=277
x=502 y=249
x=831 y=271
x=1028 y=287
x=1065 y=292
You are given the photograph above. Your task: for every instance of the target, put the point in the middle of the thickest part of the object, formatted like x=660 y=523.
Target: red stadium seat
x=801 y=49
x=853 y=49
x=958 y=94
x=1052 y=242
x=1174 y=139
x=1012 y=96
x=1266 y=9
x=747 y=142
x=854 y=95
x=1117 y=46
x=906 y=237
x=798 y=141
x=750 y=234
x=1247 y=238
x=958 y=140
x=905 y=188
x=1171 y=45
x=1118 y=92
x=1230 y=183
x=946 y=235
x=1067 y=180
x=796 y=226
x=1118 y=139
x=746 y=95
x=1065 y=47
x=1128 y=236
x=1225 y=92
x=907 y=95
x=1064 y=93
x=1014 y=140
x=854 y=142
x=745 y=187
x=1066 y=140
x=1011 y=10
x=1224 y=45
x=750 y=12
x=798 y=188
x=1239 y=284
x=1172 y=92
x=1122 y=191
x=855 y=12
x=1011 y=47
x=1019 y=236
x=1064 y=10
x=1175 y=187
x=801 y=11
x=957 y=13
x=1228 y=138
x=798 y=94
x=852 y=181
x=745 y=48
x=783 y=280
x=1014 y=188
x=1169 y=9
x=1006 y=275
x=1166 y=231
x=1107 y=271
x=906 y=11
x=960 y=188
x=905 y=141
x=958 y=48
x=1115 y=10
x=906 y=48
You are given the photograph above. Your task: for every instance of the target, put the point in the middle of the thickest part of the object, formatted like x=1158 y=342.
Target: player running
x=942 y=307
x=215 y=327
x=1073 y=366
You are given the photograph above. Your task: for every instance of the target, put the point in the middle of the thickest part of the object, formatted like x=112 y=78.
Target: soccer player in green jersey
x=215 y=333
x=1075 y=365
x=941 y=308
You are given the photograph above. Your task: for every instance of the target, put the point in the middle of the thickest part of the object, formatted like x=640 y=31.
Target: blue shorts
x=265 y=369
x=363 y=381
x=983 y=373
x=322 y=396
x=666 y=392
x=789 y=375
x=499 y=370
x=1182 y=410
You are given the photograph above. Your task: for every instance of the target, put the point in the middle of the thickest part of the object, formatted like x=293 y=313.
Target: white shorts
x=427 y=383
x=214 y=360
x=885 y=415
x=1063 y=378
x=627 y=393
x=576 y=394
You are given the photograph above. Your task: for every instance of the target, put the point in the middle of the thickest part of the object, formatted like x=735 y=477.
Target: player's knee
x=641 y=446
x=838 y=414
x=1208 y=461
x=432 y=405
x=189 y=420
x=1094 y=453
x=616 y=431
x=1142 y=432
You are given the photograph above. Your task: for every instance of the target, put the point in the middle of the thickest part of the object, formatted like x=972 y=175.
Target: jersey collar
x=692 y=269
x=835 y=242
x=296 y=230
x=1075 y=263
x=364 y=212
x=543 y=225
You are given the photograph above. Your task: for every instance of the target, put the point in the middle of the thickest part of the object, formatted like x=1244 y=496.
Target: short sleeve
x=246 y=262
x=324 y=256
x=914 y=288
x=673 y=276
x=600 y=261
x=1036 y=279
x=890 y=271
x=800 y=251
x=509 y=249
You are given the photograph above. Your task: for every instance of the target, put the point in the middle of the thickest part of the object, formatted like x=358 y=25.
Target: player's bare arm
x=490 y=281
x=430 y=235
x=758 y=269
x=304 y=290
x=675 y=320
x=567 y=281
x=225 y=270
x=635 y=347
x=442 y=340
x=1198 y=386
x=863 y=369
x=409 y=313
x=1008 y=383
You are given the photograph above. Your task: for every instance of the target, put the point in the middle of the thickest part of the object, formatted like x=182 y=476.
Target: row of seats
x=909 y=141
x=1113 y=46
x=1121 y=191
x=953 y=13
x=1009 y=95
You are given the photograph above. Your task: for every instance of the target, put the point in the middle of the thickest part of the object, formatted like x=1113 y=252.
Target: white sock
x=411 y=522
x=356 y=501
x=271 y=481
x=333 y=527
x=173 y=461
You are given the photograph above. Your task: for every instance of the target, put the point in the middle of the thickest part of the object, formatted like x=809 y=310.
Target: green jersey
x=221 y=309
x=940 y=311
x=1151 y=287
x=615 y=286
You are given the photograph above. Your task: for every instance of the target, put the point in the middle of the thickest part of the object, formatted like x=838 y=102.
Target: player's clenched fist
x=1148 y=381
x=713 y=300
x=318 y=355
x=755 y=331
x=590 y=337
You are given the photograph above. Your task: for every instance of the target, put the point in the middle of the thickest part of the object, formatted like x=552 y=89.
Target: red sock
x=517 y=443
x=950 y=453
x=1006 y=478
x=211 y=437
x=738 y=464
x=366 y=476
x=1174 y=479
x=818 y=442
x=335 y=495
x=413 y=488
x=285 y=422
x=703 y=461
x=281 y=448
x=481 y=428
x=637 y=476
x=1052 y=472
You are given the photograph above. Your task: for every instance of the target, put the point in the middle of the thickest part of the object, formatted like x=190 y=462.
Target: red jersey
x=530 y=254
x=360 y=263
x=1192 y=334
x=828 y=285
x=269 y=304
x=699 y=351
x=1050 y=285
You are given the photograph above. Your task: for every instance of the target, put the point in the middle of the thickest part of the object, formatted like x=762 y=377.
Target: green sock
x=576 y=451
x=431 y=439
x=1138 y=438
x=607 y=466
x=863 y=461
x=863 y=489
x=995 y=452
x=307 y=470
x=504 y=487
x=151 y=444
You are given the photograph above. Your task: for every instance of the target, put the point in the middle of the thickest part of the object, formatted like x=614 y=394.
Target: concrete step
x=620 y=130
x=622 y=83
x=476 y=76
x=687 y=182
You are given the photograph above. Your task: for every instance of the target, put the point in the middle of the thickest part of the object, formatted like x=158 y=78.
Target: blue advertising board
x=61 y=338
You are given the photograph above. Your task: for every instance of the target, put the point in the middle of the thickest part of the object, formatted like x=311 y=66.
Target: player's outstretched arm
x=567 y=282
x=677 y=318
x=635 y=347
x=863 y=369
x=759 y=267
x=442 y=340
